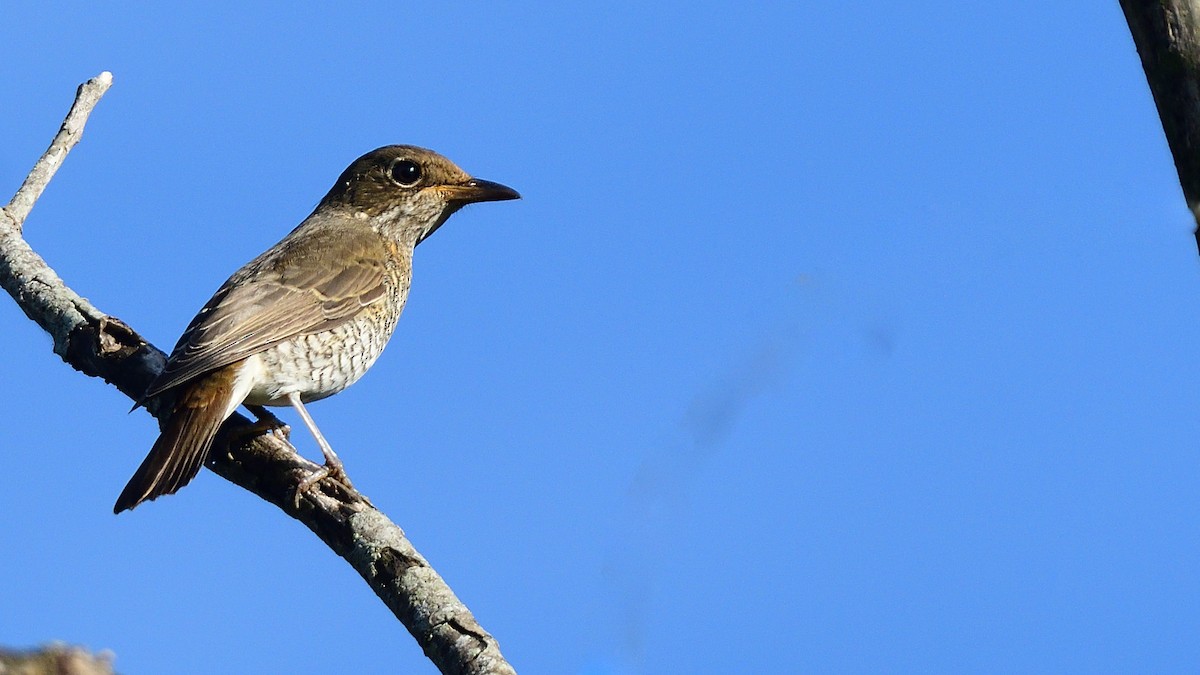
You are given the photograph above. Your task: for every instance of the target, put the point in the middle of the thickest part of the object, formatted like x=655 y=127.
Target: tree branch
x=55 y=659
x=1167 y=35
x=265 y=464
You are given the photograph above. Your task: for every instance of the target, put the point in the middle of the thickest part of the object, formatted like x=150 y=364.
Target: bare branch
x=55 y=659
x=1167 y=35
x=23 y=273
x=265 y=464
x=86 y=98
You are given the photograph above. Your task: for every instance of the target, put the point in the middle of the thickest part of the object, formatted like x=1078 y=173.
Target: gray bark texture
x=55 y=659
x=264 y=463
x=1167 y=36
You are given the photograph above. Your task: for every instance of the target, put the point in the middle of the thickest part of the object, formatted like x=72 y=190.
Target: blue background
x=827 y=337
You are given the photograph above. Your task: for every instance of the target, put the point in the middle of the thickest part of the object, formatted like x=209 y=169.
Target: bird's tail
x=181 y=449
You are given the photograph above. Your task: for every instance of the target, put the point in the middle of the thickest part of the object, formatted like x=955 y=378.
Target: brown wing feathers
x=269 y=301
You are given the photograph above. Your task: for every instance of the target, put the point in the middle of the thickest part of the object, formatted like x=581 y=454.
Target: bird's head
x=408 y=192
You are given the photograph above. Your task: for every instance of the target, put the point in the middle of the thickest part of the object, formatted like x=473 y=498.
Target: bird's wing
x=308 y=284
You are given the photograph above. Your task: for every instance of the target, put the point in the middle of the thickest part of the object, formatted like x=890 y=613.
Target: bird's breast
x=322 y=364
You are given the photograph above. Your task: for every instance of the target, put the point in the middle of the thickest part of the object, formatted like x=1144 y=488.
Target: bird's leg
x=333 y=466
x=267 y=421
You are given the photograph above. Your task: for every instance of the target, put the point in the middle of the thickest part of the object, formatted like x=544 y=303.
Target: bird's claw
x=334 y=471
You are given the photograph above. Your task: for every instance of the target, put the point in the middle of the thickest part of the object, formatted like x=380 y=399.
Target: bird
x=309 y=316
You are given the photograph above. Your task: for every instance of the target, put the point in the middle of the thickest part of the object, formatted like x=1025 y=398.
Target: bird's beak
x=474 y=190
x=479 y=190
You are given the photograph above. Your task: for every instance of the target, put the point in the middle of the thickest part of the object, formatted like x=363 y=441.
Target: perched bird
x=308 y=317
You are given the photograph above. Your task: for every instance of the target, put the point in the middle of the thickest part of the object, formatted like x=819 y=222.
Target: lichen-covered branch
x=86 y=98
x=55 y=659
x=265 y=464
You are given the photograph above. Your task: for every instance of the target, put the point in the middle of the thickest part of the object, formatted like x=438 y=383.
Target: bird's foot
x=308 y=483
x=334 y=471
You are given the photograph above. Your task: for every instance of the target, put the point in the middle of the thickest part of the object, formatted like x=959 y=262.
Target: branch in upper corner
x=86 y=98
x=1167 y=36
x=23 y=273
x=265 y=464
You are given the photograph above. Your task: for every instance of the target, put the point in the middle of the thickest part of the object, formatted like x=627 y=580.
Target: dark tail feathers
x=183 y=446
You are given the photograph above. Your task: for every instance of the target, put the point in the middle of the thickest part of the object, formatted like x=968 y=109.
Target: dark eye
x=406 y=172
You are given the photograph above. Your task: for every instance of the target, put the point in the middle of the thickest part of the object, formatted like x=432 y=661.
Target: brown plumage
x=309 y=316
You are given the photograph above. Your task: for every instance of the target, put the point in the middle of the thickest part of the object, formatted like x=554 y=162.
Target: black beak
x=479 y=190
x=474 y=190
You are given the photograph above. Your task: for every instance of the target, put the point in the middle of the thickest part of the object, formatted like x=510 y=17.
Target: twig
x=86 y=98
x=266 y=464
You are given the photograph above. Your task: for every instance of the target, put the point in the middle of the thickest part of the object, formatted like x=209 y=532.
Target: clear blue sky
x=827 y=337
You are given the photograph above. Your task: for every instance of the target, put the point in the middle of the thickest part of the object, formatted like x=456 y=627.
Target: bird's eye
x=406 y=172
